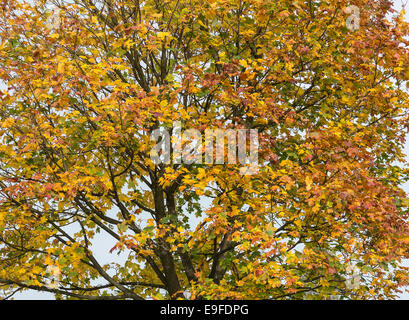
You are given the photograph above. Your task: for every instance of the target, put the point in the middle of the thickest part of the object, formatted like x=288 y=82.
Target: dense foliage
x=84 y=86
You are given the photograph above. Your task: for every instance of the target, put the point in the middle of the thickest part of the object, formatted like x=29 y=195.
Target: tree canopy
x=83 y=88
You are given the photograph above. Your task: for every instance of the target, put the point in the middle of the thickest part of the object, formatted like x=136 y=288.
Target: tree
x=85 y=86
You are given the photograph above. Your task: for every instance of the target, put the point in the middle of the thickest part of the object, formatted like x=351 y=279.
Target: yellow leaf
x=308 y=183
x=244 y=63
x=60 y=68
x=163 y=35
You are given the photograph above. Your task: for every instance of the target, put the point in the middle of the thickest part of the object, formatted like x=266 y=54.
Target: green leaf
x=123 y=227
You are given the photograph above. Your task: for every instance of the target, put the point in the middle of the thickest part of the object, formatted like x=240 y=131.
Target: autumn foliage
x=79 y=99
